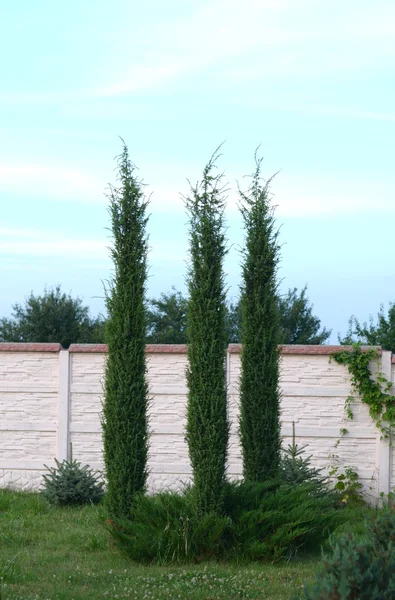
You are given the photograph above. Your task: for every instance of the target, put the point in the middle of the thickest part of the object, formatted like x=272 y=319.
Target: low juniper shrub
x=70 y=483
x=165 y=528
x=360 y=568
x=260 y=521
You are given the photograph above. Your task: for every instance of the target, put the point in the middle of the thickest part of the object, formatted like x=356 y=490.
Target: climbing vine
x=374 y=392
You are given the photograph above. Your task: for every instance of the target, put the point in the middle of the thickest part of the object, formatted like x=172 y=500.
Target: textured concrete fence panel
x=29 y=394
x=51 y=397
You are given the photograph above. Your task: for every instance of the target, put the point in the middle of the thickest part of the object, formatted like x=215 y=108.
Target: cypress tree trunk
x=207 y=424
x=259 y=383
x=125 y=424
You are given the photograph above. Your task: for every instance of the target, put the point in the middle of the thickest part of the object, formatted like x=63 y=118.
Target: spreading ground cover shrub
x=277 y=523
x=260 y=521
x=360 y=568
x=71 y=483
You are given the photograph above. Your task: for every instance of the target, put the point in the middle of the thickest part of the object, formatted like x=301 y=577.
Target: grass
x=51 y=553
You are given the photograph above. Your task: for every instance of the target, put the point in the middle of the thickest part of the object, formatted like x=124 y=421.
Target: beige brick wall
x=29 y=384
x=313 y=395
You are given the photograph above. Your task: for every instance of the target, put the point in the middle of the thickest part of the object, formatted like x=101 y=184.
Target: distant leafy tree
x=298 y=325
x=166 y=318
x=379 y=333
x=233 y=318
x=52 y=317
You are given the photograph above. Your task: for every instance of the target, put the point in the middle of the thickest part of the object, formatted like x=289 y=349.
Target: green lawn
x=49 y=553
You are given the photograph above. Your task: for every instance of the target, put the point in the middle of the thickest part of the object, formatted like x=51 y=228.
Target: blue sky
x=311 y=81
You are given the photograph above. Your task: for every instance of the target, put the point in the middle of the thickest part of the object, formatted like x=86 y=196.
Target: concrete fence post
x=383 y=445
x=63 y=437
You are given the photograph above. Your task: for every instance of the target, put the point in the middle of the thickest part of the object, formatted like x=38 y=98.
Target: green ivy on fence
x=373 y=391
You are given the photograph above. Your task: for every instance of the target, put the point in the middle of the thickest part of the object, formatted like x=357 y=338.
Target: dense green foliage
x=260 y=521
x=260 y=329
x=297 y=468
x=165 y=528
x=167 y=319
x=361 y=569
x=70 y=483
x=167 y=316
x=381 y=333
x=346 y=481
x=207 y=427
x=125 y=421
x=64 y=553
x=52 y=317
x=375 y=392
x=55 y=317
x=298 y=325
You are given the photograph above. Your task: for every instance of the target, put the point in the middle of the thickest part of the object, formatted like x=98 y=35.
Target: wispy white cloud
x=215 y=31
x=353 y=113
x=299 y=196
x=25 y=242
x=295 y=195
x=348 y=112
x=51 y=182
x=141 y=77
x=283 y=37
x=40 y=243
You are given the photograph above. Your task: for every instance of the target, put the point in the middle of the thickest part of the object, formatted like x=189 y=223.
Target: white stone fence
x=51 y=398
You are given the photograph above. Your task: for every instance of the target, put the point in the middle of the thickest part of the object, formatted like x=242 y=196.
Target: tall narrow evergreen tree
x=207 y=424
x=125 y=426
x=260 y=320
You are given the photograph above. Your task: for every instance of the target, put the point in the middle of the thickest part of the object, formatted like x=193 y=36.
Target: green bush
x=260 y=521
x=165 y=528
x=363 y=569
x=275 y=523
x=72 y=484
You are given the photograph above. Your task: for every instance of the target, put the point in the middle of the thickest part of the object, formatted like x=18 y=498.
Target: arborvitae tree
x=125 y=425
x=207 y=424
x=259 y=383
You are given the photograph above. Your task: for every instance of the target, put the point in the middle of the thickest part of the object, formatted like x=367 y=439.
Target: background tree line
x=55 y=316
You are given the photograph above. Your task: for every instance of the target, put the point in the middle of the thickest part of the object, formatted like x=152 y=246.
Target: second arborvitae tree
x=260 y=320
x=207 y=424
x=125 y=421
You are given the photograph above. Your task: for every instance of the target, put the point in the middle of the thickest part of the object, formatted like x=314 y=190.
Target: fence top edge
x=149 y=349
x=29 y=347
x=232 y=349
x=305 y=349
x=170 y=348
